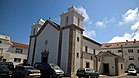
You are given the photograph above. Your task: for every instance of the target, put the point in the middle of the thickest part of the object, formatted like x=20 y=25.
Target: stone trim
x=91 y=40
x=72 y=25
x=29 y=49
x=60 y=48
x=34 y=48
x=70 y=52
x=120 y=47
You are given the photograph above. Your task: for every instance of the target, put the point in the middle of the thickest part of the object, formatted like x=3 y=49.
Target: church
x=64 y=44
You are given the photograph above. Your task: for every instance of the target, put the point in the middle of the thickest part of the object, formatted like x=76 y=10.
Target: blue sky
x=105 y=20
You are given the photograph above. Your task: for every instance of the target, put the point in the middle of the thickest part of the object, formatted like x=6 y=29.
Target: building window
x=78 y=39
x=131 y=57
x=94 y=51
x=121 y=66
x=87 y=65
x=46 y=42
x=4 y=60
x=34 y=31
x=78 y=21
x=0 y=42
x=17 y=59
x=119 y=51
x=130 y=50
x=77 y=55
x=66 y=23
x=138 y=51
x=86 y=48
x=18 y=50
x=91 y=57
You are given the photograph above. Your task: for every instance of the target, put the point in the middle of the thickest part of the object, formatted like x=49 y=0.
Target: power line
x=135 y=32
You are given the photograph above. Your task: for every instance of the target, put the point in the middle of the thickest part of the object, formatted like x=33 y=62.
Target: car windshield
x=54 y=66
x=4 y=69
x=131 y=69
x=30 y=68
x=88 y=69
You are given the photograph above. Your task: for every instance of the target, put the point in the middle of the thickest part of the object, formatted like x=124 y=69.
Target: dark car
x=10 y=65
x=137 y=69
x=87 y=72
x=26 y=72
x=49 y=70
x=5 y=72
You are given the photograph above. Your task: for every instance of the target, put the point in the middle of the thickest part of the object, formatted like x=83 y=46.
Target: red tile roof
x=19 y=44
x=119 y=43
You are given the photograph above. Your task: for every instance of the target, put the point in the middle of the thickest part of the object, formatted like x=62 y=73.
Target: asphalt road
x=125 y=76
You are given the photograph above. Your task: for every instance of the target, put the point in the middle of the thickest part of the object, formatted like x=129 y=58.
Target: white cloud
x=99 y=24
x=131 y=16
x=125 y=37
x=135 y=26
x=104 y=22
x=89 y=34
x=83 y=11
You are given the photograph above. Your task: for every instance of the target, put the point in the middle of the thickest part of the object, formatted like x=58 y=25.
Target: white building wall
x=90 y=46
x=52 y=36
x=65 y=50
x=87 y=59
x=111 y=61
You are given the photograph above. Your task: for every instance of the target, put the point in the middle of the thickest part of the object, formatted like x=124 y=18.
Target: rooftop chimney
x=134 y=40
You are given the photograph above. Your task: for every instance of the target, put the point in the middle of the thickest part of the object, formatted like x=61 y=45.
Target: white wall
x=52 y=36
x=65 y=50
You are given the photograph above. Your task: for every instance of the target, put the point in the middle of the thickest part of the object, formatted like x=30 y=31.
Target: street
x=124 y=76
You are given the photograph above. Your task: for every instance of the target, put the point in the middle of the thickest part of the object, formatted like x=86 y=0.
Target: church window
x=121 y=66
x=87 y=65
x=78 y=21
x=46 y=42
x=0 y=42
x=91 y=57
x=94 y=51
x=78 y=39
x=86 y=48
x=77 y=55
x=66 y=23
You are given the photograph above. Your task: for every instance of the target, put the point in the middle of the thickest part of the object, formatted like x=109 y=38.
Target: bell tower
x=72 y=16
x=72 y=34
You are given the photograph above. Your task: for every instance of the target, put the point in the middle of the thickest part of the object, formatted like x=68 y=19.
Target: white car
x=132 y=71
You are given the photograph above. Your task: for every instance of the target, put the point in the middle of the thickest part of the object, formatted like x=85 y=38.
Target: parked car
x=5 y=72
x=87 y=72
x=49 y=70
x=132 y=71
x=26 y=72
x=10 y=65
x=137 y=69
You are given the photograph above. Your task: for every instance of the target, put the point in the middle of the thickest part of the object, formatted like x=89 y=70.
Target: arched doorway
x=44 y=56
x=132 y=65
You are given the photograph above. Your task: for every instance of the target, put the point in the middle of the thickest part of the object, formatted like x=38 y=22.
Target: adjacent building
x=128 y=50
x=12 y=51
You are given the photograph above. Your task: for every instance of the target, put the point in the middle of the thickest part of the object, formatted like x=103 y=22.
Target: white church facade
x=63 y=44
x=66 y=46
